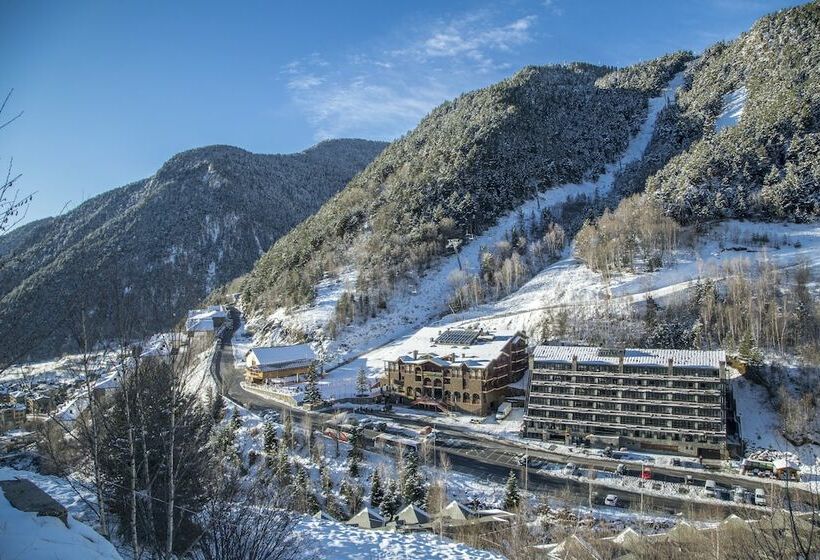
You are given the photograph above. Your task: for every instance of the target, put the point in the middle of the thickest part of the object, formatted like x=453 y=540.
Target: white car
x=611 y=500
x=709 y=488
x=570 y=468
x=760 y=497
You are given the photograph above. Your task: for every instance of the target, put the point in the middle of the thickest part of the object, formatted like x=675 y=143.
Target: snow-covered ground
x=417 y=305
x=25 y=535
x=733 y=105
x=335 y=540
x=760 y=427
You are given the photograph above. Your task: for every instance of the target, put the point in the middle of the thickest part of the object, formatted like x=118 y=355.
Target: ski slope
x=413 y=306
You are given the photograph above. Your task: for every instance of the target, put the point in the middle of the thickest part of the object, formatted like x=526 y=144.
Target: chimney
x=574 y=362
x=621 y=363
x=415 y=354
x=670 y=366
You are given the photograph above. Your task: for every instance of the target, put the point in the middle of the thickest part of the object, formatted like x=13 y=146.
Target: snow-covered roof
x=281 y=356
x=200 y=320
x=476 y=349
x=656 y=357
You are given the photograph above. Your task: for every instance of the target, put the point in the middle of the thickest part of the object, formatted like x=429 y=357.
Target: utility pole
x=455 y=244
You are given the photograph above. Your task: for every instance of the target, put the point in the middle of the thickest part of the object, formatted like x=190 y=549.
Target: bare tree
x=252 y=523
x=13 y=205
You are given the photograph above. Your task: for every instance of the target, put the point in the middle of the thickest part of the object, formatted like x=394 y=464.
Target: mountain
x=468 y=162
x=151 y=249
x=743 y=139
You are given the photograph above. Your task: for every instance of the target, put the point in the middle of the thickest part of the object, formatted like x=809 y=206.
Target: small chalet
x=205 y=320
x=273 y=362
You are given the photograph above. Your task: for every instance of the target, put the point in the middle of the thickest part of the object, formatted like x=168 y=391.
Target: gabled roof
x=368 y=518
x=413 y=514
x=455 y=510
x=278 y=356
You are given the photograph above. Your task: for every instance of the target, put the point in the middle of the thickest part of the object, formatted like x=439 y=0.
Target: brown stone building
x=467 y=370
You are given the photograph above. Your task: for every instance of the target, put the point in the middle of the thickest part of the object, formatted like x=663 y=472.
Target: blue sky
x=110 y=90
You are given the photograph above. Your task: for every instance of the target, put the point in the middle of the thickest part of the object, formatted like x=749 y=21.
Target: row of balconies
x=623 y=427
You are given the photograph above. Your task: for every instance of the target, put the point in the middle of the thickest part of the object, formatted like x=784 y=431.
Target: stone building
x=468 y=370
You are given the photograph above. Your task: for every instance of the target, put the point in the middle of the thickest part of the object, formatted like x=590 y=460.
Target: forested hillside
x=469 y=161
x=151 y=249
x=744 y=138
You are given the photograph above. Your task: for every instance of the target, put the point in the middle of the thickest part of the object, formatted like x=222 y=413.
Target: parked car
x=522 y=459
x=646 y=474
x=709 y=488
x=612 y=500
x=380 y=426
x=570 y=468
x=475 y=420
x=760 y=497
x=620 y=469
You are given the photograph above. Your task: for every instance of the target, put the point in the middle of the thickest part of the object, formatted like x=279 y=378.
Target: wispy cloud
x=383 y=92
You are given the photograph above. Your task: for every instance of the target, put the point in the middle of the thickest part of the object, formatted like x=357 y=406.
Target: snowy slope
x=335 y=540
x=414 y=306
x=733 y=104
x=24 y=535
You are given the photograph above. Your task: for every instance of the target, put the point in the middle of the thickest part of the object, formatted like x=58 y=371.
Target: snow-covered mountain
x=149 y=250
x=467 y=163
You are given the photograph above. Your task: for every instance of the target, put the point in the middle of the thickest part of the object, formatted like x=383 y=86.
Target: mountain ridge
x=152 y=248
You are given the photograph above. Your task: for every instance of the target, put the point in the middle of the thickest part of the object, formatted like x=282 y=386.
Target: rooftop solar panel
x=458 y=337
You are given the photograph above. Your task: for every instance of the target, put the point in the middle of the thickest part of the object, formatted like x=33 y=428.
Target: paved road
x=493 y=457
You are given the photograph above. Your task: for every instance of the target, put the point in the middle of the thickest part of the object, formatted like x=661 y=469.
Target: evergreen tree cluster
x=469 y=161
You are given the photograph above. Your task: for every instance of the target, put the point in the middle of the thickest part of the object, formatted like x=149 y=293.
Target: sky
x=111 y=90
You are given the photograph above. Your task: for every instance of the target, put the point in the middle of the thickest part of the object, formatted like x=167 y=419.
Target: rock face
x=132 y=260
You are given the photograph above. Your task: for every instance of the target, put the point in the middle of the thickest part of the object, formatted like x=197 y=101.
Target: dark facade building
x=655 y=399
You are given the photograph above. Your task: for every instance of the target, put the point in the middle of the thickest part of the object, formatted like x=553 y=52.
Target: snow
x=25 y=535
x=760 y=426
x=413 y=306
x=335 y=540
x=568 y=283
x=733 y=105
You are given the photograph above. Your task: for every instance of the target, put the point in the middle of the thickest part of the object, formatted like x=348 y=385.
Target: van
x=760 y=497
x=503 y=411
x=709 y=488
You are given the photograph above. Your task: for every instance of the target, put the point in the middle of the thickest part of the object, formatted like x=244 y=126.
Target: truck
x=503 y=411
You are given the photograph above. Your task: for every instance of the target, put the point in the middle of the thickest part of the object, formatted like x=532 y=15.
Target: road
x=492 y=458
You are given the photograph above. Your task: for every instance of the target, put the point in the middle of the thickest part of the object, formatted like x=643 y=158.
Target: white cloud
x=383 y=93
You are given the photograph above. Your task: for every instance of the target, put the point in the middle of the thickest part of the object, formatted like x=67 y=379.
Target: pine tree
x=287 y=432
x=391 y=502
x=236 y=420
x=312 y=393
x=412 y=483
x=376 y=490
x=324 y=478
x=217 y=408
x=270 y=444
x=748 y=352
x=354 y=456
x=512 y=497
x=362 y=385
